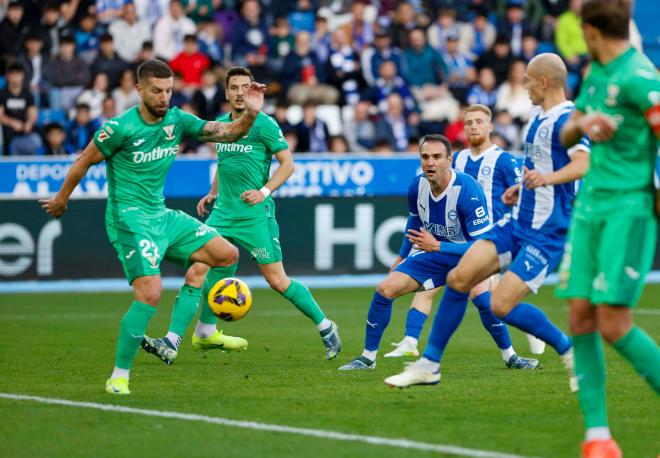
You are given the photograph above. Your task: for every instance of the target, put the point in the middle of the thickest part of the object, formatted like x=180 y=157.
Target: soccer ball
x=230 y=299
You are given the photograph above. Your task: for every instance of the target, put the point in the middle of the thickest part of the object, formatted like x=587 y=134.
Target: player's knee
x=278 y=283
x=388 y=290
x=196 y=274
x=581 y=323
x=150 y=294
x=499 y=305
x=613 y=331
x=228 y=257
x=457 y=281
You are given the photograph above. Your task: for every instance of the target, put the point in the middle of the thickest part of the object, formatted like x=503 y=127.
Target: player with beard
x=495 y=170
x=139 y=147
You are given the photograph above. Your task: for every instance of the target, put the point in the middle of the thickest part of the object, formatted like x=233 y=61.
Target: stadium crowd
x=358 y=76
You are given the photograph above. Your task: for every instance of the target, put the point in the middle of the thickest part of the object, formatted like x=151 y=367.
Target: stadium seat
x=47 y=116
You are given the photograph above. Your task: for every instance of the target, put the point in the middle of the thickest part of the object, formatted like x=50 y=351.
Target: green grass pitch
x=62 y=346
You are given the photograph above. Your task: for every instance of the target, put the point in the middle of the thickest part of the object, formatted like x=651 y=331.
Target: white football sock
x=600 y=433
x=204 y=330
x=370 y=354
x=507 y=353
x=323 y=325
x=119 y=372
x=175 y=339
x=428 y=364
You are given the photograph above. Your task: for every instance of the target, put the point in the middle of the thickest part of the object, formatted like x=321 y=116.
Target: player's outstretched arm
x=56 y=205
x=598 y=126
x=283 y=172
x=221 y=132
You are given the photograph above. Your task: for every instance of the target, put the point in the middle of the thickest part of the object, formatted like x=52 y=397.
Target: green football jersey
x=138 y=156
x=623 y=89
x=245 y=165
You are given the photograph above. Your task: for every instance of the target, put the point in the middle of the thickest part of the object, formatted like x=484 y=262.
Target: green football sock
x=302 y=298
x=590 y=370
x=131 y=331
x=643 y=353
x=215 y=275
x=184 y=309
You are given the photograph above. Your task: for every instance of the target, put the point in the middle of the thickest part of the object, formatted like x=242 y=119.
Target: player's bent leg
x=131 y=330
x=217 y=252
x=378 y=318
x=636 y=346
x=415 y=319
x=478 y=263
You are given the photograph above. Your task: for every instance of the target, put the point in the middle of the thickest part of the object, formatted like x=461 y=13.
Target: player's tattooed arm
x=57 y=205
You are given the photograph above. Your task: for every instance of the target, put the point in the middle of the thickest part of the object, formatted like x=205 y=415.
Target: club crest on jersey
x=169 y=132
x=452 y=215
x=612 y=93
x=486 y=171
x=103 y=136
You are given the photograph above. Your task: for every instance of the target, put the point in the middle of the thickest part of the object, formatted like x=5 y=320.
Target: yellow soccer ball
x=230 y=299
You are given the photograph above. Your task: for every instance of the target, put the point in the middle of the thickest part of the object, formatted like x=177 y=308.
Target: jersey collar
x=444 y=193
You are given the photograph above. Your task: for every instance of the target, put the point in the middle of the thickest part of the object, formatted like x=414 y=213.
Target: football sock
x=212 y=277
x=324 y=325
x=507 y=353
x=370 y=354
x=300 y=296
x=414 y=323
x=131 y=332
x=597 y=434
x=380 y=312
x=119 y=372
x=643 y=353
x=203 y=330
x=173 y=340
x=590 y=371
x=449 y=315
x=532 y=320
x=491 y=322
x=185 y=308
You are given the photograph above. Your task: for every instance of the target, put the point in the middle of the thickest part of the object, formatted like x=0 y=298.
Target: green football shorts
x=607 y=259
x=142 y=242
x=260 y=237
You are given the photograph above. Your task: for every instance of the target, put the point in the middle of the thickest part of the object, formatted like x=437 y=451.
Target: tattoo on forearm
x=226 y=132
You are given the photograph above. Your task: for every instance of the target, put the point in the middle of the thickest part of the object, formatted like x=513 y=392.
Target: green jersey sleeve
x=272 y=136
x=192 y=125
x=581 y=100
x=109 y=138
x=644 y=89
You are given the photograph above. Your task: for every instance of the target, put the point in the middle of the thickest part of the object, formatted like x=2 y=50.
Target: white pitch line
x=373 y=440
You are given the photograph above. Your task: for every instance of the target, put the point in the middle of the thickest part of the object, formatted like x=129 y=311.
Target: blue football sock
x=380 y=312
x=532 y=320
x=491 y=322
x=414 y=323
x=449 y=315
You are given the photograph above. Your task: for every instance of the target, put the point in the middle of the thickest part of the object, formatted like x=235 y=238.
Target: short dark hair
x=610 y=17
x=106 y=37
x=15 y=67
x=154 y=68
x=436 y=138
x=190 y=37
x=53 y=126
x=237 y=71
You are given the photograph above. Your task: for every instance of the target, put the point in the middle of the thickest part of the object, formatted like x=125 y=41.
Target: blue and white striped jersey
x=495 y=170
x=459 y=214
x=547 y=208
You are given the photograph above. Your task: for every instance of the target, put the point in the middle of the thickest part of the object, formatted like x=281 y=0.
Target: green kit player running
x=612 y=238
x=139 y=147
x=244 y=213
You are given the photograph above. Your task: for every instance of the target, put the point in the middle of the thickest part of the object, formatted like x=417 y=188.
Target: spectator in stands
x=405 y=20
x=190 y=63
x=478 y=36
x=312 y=133
x=50 y=28
x=344 y=69
x=129 y=33
x=281 y=109
x=360 y=32
x=551 y=9
x=568 y=37
x=108 y=110
x=109 y=62
x=151 y=10
x=81 y=129
x=201 y=10
x=18 y=114
x=498 y=59
x=321 y=39
x=423 y=71
x=443 y=27
x=93 y=96
x=361 y=130
x=530 y=47
x=145 y=54
x=70 y=76
x=37 y=66
x=455 y=131
x=55 y=144
x=13 y=30
x=393 y=126
x=484 y=91
x=514 y=25
x=125 y=94
x=210 y=43
x=390 y=83
x=109 y=10
x=382 y=146
x=338 y=144
x=280 y=45
x=170 y=30
x=460 y=71
x=512 y=95
x=374 y=55
x=179 y=97
x=302 y=17
x=303 y=76
x=250 y=38
x=503 y=125
x=88 y=36
x=209 y=97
